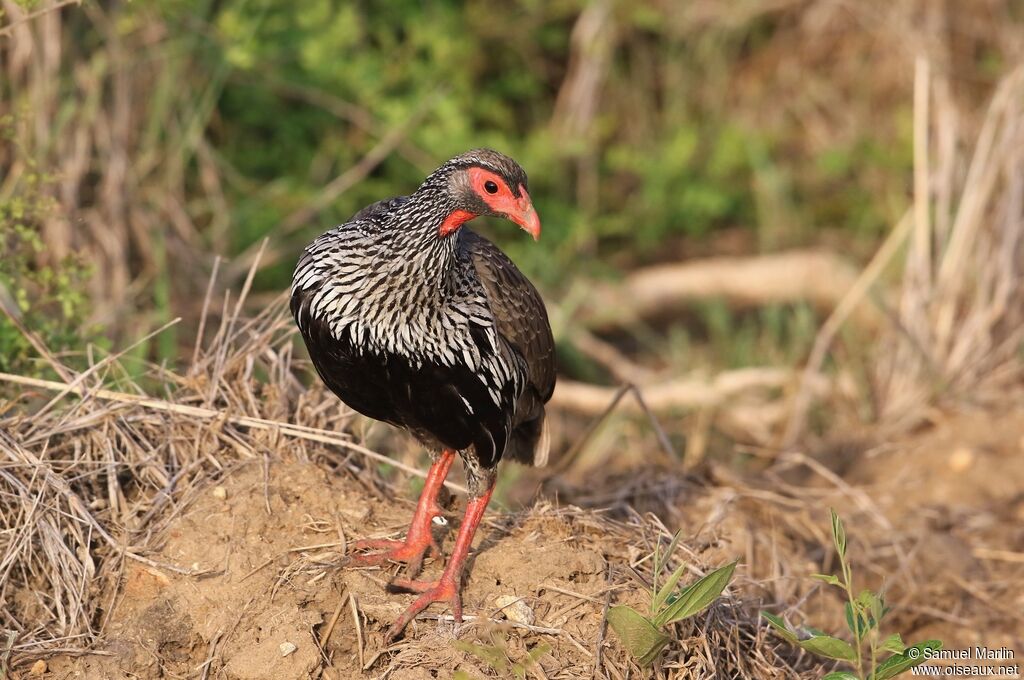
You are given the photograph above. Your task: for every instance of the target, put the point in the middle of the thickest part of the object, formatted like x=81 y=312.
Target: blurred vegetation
x=47 y=298
x=179 y=131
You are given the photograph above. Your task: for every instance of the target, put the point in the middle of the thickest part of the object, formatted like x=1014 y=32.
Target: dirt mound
x=243 y=576
x=270 y=542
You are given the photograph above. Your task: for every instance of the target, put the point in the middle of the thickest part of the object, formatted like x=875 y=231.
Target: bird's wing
x=518 y=310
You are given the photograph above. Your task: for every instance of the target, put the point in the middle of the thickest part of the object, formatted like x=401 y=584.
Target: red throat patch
x=455 y=220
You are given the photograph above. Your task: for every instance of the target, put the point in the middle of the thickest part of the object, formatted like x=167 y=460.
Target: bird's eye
x=490 y=187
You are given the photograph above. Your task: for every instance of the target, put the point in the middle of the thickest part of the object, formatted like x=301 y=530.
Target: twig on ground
x=326 y=637
x=354 y=606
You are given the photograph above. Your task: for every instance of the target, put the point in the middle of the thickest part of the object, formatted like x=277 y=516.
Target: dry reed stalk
x=957 y=334
x=960 y=325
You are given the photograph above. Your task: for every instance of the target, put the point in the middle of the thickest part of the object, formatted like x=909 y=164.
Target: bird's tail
x=530 y=442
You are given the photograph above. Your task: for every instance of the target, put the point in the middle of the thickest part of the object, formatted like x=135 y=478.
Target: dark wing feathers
x=518 y=310
x=522 y=321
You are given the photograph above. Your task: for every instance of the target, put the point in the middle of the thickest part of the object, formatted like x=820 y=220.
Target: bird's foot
x=410 y=551
x=443 y=590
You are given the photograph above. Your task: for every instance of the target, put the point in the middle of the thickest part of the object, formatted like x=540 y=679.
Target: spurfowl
x=413 y=319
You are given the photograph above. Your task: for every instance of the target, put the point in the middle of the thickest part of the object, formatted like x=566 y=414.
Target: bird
x=412 y=318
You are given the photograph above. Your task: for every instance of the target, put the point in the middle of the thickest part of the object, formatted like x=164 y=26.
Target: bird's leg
x=448 y=587
x=420 y=538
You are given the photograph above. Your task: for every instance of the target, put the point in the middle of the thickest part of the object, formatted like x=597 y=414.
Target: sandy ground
x=938 y=524
x=272 y=543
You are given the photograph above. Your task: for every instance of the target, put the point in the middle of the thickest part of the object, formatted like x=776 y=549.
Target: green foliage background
x=650 y=130
x=670 y=158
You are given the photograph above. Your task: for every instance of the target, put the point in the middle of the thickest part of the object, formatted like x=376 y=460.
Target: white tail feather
x=543 y=447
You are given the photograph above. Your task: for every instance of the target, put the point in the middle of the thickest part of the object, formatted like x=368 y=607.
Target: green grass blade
x=696 y=597
x=662 y=595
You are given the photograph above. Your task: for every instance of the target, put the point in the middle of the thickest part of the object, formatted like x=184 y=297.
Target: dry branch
x=814 y=276
x=677 y=395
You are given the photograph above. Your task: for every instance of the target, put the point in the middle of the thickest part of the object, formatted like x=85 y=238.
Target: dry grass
x=92 y=479
x=959 y=326
x=87 y=481
x=955 y=335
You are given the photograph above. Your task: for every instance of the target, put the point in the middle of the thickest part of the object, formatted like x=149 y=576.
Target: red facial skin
x=519 y=210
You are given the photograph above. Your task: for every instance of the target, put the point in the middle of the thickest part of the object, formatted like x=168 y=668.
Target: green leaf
x=830 y=647
x=662 y=595
x=697 y=596
x=840 y=675
x=643 y=640
x=878 y=609
x=861 y=626
x=838 y=533
x=900 y=663
x=659 y=564
x=491 y=655
x=893 y=643
x=830 y=579
x=779 y=624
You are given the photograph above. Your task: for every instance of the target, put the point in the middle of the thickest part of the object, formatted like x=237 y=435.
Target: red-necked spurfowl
x=413 y=319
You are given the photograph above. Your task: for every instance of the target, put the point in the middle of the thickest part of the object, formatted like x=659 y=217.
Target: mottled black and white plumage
x=415 y=320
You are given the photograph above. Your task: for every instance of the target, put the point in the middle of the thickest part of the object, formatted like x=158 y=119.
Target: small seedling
x=864 y=615
x=643 y=635
x=496 y=656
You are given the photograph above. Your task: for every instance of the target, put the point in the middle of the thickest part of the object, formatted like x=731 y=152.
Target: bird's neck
x=431 y=246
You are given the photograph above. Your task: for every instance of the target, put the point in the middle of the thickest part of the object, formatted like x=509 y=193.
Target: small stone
x=220 y=493
x=287 y=648
x=961 y=459
x=515 y=609
x=38 y=668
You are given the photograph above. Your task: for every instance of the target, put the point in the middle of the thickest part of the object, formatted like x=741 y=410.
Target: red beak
x=525 y=215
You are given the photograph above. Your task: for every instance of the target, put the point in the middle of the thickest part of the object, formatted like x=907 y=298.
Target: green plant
x=644 y=636
x=496 y=656
x=44 y=296
x=864 y=615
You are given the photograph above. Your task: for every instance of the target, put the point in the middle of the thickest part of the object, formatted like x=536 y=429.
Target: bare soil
x=274 y=542
x=935 y=520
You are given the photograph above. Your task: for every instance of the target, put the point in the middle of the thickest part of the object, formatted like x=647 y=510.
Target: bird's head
x=485 y=182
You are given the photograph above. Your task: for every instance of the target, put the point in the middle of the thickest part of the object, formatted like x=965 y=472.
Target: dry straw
x=91 y=482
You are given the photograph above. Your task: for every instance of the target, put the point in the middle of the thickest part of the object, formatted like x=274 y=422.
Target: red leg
x=420 y=538
x=448 y=587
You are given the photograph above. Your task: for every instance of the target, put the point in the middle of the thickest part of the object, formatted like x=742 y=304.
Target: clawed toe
x=444 y=590
x=404 y=585
x=393 y=551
